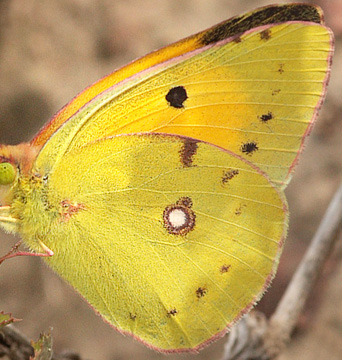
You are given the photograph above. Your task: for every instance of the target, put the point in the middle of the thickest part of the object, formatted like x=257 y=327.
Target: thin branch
x=14 y=344
x=285 y=317
x=246 y=338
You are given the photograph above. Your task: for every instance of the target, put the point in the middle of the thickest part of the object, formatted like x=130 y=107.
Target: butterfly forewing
x=256 y=95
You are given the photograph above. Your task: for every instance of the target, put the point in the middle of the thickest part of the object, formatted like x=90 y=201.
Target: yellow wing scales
x=255 y=96
x=170 y=294
x=229 y=28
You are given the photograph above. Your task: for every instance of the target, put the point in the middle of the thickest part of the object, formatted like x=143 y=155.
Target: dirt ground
x=51 y=50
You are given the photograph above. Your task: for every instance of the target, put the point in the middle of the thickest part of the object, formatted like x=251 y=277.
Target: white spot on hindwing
x=179 y=218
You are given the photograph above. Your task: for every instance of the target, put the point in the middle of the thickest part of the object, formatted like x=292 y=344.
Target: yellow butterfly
x=157 y=192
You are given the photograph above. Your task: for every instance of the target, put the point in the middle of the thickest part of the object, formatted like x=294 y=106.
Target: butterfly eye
x=7 y=173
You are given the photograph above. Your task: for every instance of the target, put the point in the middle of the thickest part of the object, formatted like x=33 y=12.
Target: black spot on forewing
x=275 y=92
x=188 y=151
x=265 y=34
x=176 y=97
x=264 y=16
x=249 y=148
x=281 y=68
x=266 y=117
x=228 y=175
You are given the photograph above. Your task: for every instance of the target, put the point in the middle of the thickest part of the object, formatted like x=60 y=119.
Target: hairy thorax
x=25 y=207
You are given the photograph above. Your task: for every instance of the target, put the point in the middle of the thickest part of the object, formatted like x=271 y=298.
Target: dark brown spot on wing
x=238 y=211
x=249 y=148
x=224 y=268
x=188 y=151
x=266 y=117
x=275 y=92
x=201 y=291
x=228 y=175
x=281 y=68
x=264 y=16
x=176 y=97
x=172 y=312
x=185 y=201
x=265 y=34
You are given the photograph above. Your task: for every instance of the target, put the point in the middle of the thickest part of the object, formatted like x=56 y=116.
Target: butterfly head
x=8 y=172
x=14 y=162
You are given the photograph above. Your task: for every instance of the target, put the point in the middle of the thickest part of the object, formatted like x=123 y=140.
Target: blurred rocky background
x=49 y=51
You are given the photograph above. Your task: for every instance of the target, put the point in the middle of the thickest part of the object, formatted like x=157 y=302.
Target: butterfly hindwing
x=182 y=237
